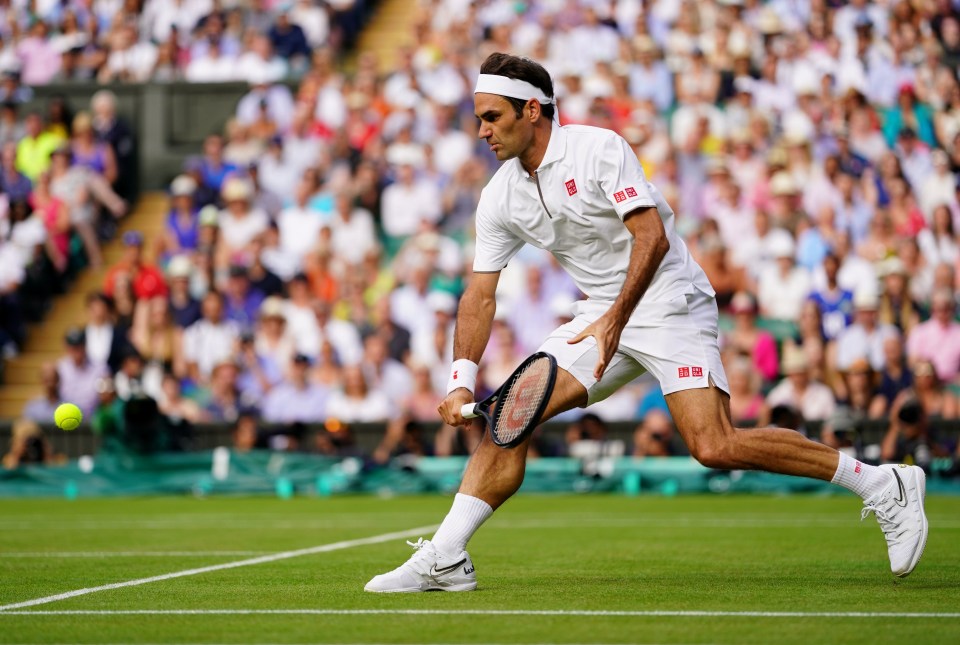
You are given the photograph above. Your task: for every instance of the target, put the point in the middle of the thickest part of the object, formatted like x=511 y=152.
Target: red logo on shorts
x=683 y=372
x=697 y=371
x=857 y=468
x=620 y=196
x=631 y=192
x=571 y=187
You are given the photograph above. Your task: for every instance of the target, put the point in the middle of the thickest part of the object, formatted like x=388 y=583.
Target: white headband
x=515 y=89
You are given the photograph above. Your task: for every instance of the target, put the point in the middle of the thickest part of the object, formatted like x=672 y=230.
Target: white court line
x=283 y=555
x=126 y=554
x=656 y=613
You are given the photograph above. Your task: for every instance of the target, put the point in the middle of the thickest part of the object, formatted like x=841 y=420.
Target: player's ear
x=533 y=108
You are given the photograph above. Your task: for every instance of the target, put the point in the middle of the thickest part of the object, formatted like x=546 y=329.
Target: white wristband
x=463 y=373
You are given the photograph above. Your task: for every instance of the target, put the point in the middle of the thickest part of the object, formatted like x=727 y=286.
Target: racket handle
x=469 y=411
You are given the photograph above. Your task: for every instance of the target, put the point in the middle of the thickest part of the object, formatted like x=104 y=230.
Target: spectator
x=242 y=302
x=131 y=59
x=154 y=337
x=865 y=337
x=353 y=231
x=409 y=202
x=56 y=219
x=290 y=41
x=297 y=399
x=939 y=244
x=299 y=225
x=213 y=169
x=813 y=399
x=213 y=66
x=178 y=410
x=209 y=341
x=146 y=280
x=89 y=153
x=41 y=408
x=12 y=275
x=183 y=224
x=938 y=339
x=834 y=302
x=356 y=402
x=105 y=343
x=38 y=55
x=29 y=446
x=114 y=130
x=384 y=373
x=240 y=223
x=746 y=401
x=653 y=437
x=746 y=339
x=907 y=440
x=783 y=288
x=12 y=182
x=896 y=307
x=33 y=150
x=78 y=374
x=184 y=309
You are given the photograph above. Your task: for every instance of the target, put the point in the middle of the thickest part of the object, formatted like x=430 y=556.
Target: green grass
x=606 y=553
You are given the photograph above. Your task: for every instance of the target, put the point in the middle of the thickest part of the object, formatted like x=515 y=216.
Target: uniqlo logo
x=630 y=191
x=696 y=371
x=620 y=196
x=857 y=468
x=571 y=187
x=683 y=372
x=455 y=372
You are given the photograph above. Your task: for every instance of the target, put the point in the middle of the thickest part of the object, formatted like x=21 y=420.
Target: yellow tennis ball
x=67 y=416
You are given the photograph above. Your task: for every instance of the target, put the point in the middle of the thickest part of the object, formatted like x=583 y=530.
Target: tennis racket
x=519 y=401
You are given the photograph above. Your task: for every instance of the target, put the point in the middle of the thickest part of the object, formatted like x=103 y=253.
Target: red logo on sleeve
x=630 y=191
x=697 y=371
x=571 y=187
x=455 y=372
x=620 y=196
x=683 y=372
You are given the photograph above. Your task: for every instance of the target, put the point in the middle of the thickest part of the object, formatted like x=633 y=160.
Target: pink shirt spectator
x=939 y=344
x=41 y=61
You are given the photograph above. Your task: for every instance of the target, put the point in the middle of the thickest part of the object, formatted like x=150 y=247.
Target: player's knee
x=714 y=453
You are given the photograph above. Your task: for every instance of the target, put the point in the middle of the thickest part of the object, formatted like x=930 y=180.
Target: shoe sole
x=470 y=586
x=922 y=485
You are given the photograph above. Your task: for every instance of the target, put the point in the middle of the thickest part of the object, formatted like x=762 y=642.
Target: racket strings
x=518 y=409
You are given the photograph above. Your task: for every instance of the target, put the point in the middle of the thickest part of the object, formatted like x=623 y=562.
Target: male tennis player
x=580 y=193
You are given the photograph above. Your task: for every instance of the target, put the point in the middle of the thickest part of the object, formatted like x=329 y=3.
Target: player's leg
x=702 y=417
x=894 y=493
x=493 y=475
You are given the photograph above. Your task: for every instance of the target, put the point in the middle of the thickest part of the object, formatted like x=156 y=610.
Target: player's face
x=506 y=134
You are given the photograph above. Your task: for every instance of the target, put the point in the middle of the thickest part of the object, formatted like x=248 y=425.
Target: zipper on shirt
x=536 y=178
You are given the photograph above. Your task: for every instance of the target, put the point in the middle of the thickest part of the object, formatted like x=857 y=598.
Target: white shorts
x=675 y=341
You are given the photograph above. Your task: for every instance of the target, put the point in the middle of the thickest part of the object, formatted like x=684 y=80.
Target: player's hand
x=607 y=332
x=449 y=408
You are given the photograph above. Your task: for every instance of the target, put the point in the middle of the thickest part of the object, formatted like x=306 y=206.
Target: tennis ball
x=67 y=416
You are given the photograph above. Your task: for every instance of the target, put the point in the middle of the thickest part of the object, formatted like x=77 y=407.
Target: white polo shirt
x=574 y=206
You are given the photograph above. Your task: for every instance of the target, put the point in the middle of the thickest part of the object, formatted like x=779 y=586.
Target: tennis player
x=580 y=193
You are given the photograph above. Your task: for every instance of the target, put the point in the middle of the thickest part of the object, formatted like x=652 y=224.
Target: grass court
x=552 y=569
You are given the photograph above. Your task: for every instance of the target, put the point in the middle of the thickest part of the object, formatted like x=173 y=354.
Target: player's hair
x=523 y=69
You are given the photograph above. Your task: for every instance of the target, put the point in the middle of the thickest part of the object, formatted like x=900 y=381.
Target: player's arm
x=650 y=245
x=474 y=320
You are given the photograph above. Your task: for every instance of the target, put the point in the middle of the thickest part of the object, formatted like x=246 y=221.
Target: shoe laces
x=884 y=509
x=424 y=555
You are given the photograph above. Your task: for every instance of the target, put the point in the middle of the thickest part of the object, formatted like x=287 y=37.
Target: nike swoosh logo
x=434 y=571
x=902 y=500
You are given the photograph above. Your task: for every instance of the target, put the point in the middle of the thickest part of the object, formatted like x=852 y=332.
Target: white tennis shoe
x=899 y=510
x=427 y=570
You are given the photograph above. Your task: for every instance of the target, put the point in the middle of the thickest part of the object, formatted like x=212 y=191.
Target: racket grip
x=469 y=411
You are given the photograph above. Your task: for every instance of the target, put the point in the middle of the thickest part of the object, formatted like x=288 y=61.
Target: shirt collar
x=556 y=148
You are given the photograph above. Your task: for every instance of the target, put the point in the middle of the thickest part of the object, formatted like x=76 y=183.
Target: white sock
x=863 y=479
x=465 y=517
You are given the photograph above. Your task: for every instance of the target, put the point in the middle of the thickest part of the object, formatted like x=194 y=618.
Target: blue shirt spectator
x=296 y=399
x=288 y=39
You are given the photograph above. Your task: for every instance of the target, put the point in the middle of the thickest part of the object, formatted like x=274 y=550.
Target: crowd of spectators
x=138 y=41
x=60 y=196
x=316 y=248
